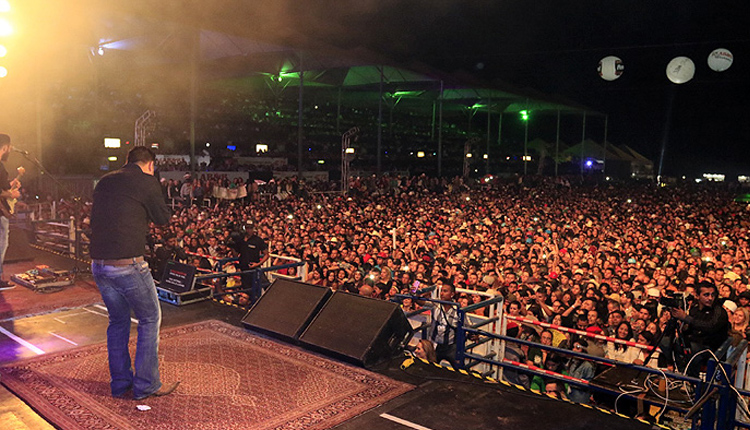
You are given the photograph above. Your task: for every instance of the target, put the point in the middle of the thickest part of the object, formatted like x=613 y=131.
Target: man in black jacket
x=707 y=325
x=125 y=202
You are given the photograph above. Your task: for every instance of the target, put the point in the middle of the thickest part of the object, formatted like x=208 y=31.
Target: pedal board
x=43 y=277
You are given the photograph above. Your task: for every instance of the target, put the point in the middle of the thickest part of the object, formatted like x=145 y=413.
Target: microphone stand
x=77 y=206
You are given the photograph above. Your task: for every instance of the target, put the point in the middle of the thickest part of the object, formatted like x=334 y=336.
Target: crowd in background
x=590 y=256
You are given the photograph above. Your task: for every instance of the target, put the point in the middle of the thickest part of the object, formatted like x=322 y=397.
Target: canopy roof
x=236 y=61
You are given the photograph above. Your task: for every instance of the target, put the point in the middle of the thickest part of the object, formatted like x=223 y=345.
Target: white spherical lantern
x=720 y=59
x=610 y=68
x=680 y=70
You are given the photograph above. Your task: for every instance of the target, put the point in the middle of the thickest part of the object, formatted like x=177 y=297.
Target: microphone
x=20 y=151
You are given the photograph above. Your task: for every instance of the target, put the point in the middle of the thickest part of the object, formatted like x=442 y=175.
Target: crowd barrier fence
x=481 y=343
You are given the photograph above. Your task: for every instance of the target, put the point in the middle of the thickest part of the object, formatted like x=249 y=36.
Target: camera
x=672 y=299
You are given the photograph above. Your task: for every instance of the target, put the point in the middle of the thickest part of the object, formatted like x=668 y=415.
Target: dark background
x=549 y=45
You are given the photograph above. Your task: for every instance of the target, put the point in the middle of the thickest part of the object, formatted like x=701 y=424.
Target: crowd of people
x=596 y=257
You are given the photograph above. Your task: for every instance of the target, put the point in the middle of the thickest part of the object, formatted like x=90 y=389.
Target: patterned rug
x=230 y=380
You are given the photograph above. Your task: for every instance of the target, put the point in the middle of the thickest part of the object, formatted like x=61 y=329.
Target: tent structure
x=238 y=61
x=618 y=161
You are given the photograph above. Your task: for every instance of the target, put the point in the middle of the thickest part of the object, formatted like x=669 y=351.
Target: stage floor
x=442 y=400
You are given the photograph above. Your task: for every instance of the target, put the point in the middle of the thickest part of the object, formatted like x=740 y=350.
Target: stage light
x=261 y=148
x=589 y=163
x=4 y=6
x=3 y=72
x=5 y=28
x=524 y=115
x=468 y=155
x=321 y=161
x=420 y=154
x=113 y=158
x=3 y=51
x=349 y=150
x=100 y=51
x=485 y=156
x=111 y=142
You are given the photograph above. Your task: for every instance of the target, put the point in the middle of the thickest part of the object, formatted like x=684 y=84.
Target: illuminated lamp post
x=347 y=153
x=525 y=119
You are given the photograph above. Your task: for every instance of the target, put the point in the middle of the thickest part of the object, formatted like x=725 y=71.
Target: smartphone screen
x=414 y=286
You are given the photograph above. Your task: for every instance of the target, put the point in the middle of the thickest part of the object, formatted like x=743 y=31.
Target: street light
x=525 y=119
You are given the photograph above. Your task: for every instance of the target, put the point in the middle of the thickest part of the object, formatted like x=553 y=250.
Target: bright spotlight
x=420 y=154
x=349 y=150
x=3 y=51
x=100 y=51
x=3 y=72
x=589 y=163
x=112 y=158
x=4 y=6
x=5 y=28
x=111 y=142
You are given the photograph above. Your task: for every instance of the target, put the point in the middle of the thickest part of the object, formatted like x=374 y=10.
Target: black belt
x=120 y=261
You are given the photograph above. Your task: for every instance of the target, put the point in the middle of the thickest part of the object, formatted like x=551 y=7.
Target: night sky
x=549 y=45
x=555 y=46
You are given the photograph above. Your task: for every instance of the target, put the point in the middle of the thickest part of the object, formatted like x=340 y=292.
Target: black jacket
x=707 y=326
x=125 y=202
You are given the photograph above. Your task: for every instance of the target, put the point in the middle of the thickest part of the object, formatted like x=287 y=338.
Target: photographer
x=706 y=325
x=170 y=250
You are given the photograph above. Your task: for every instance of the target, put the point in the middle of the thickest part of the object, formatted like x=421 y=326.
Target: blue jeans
x=4 y=230
x=126 y=288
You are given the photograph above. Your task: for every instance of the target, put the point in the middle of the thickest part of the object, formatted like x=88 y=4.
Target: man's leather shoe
x=163 y=391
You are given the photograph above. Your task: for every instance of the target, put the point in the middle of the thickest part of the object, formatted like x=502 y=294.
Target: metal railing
x=716 y=396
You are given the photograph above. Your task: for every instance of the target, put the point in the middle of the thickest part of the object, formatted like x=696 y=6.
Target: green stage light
x=524 y=115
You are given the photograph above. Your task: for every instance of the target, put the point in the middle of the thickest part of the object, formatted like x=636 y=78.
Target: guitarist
x=7 y=191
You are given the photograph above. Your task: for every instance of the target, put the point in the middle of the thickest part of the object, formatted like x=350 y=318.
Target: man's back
x=125 y=202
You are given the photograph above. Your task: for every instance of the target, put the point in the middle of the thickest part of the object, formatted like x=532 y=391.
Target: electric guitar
x=15 y=184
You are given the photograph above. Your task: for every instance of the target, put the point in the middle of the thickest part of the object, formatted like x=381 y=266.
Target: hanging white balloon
x=610 y=68
x=680 y=70
x=720 y=59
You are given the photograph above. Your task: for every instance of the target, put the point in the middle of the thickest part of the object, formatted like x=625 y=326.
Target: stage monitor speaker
x=286 y=309
x=18 y=245
x=358 y=329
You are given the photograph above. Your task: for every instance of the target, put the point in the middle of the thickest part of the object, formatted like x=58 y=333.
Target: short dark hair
x=141 y=154
x=4 y=140
x=707 y=285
